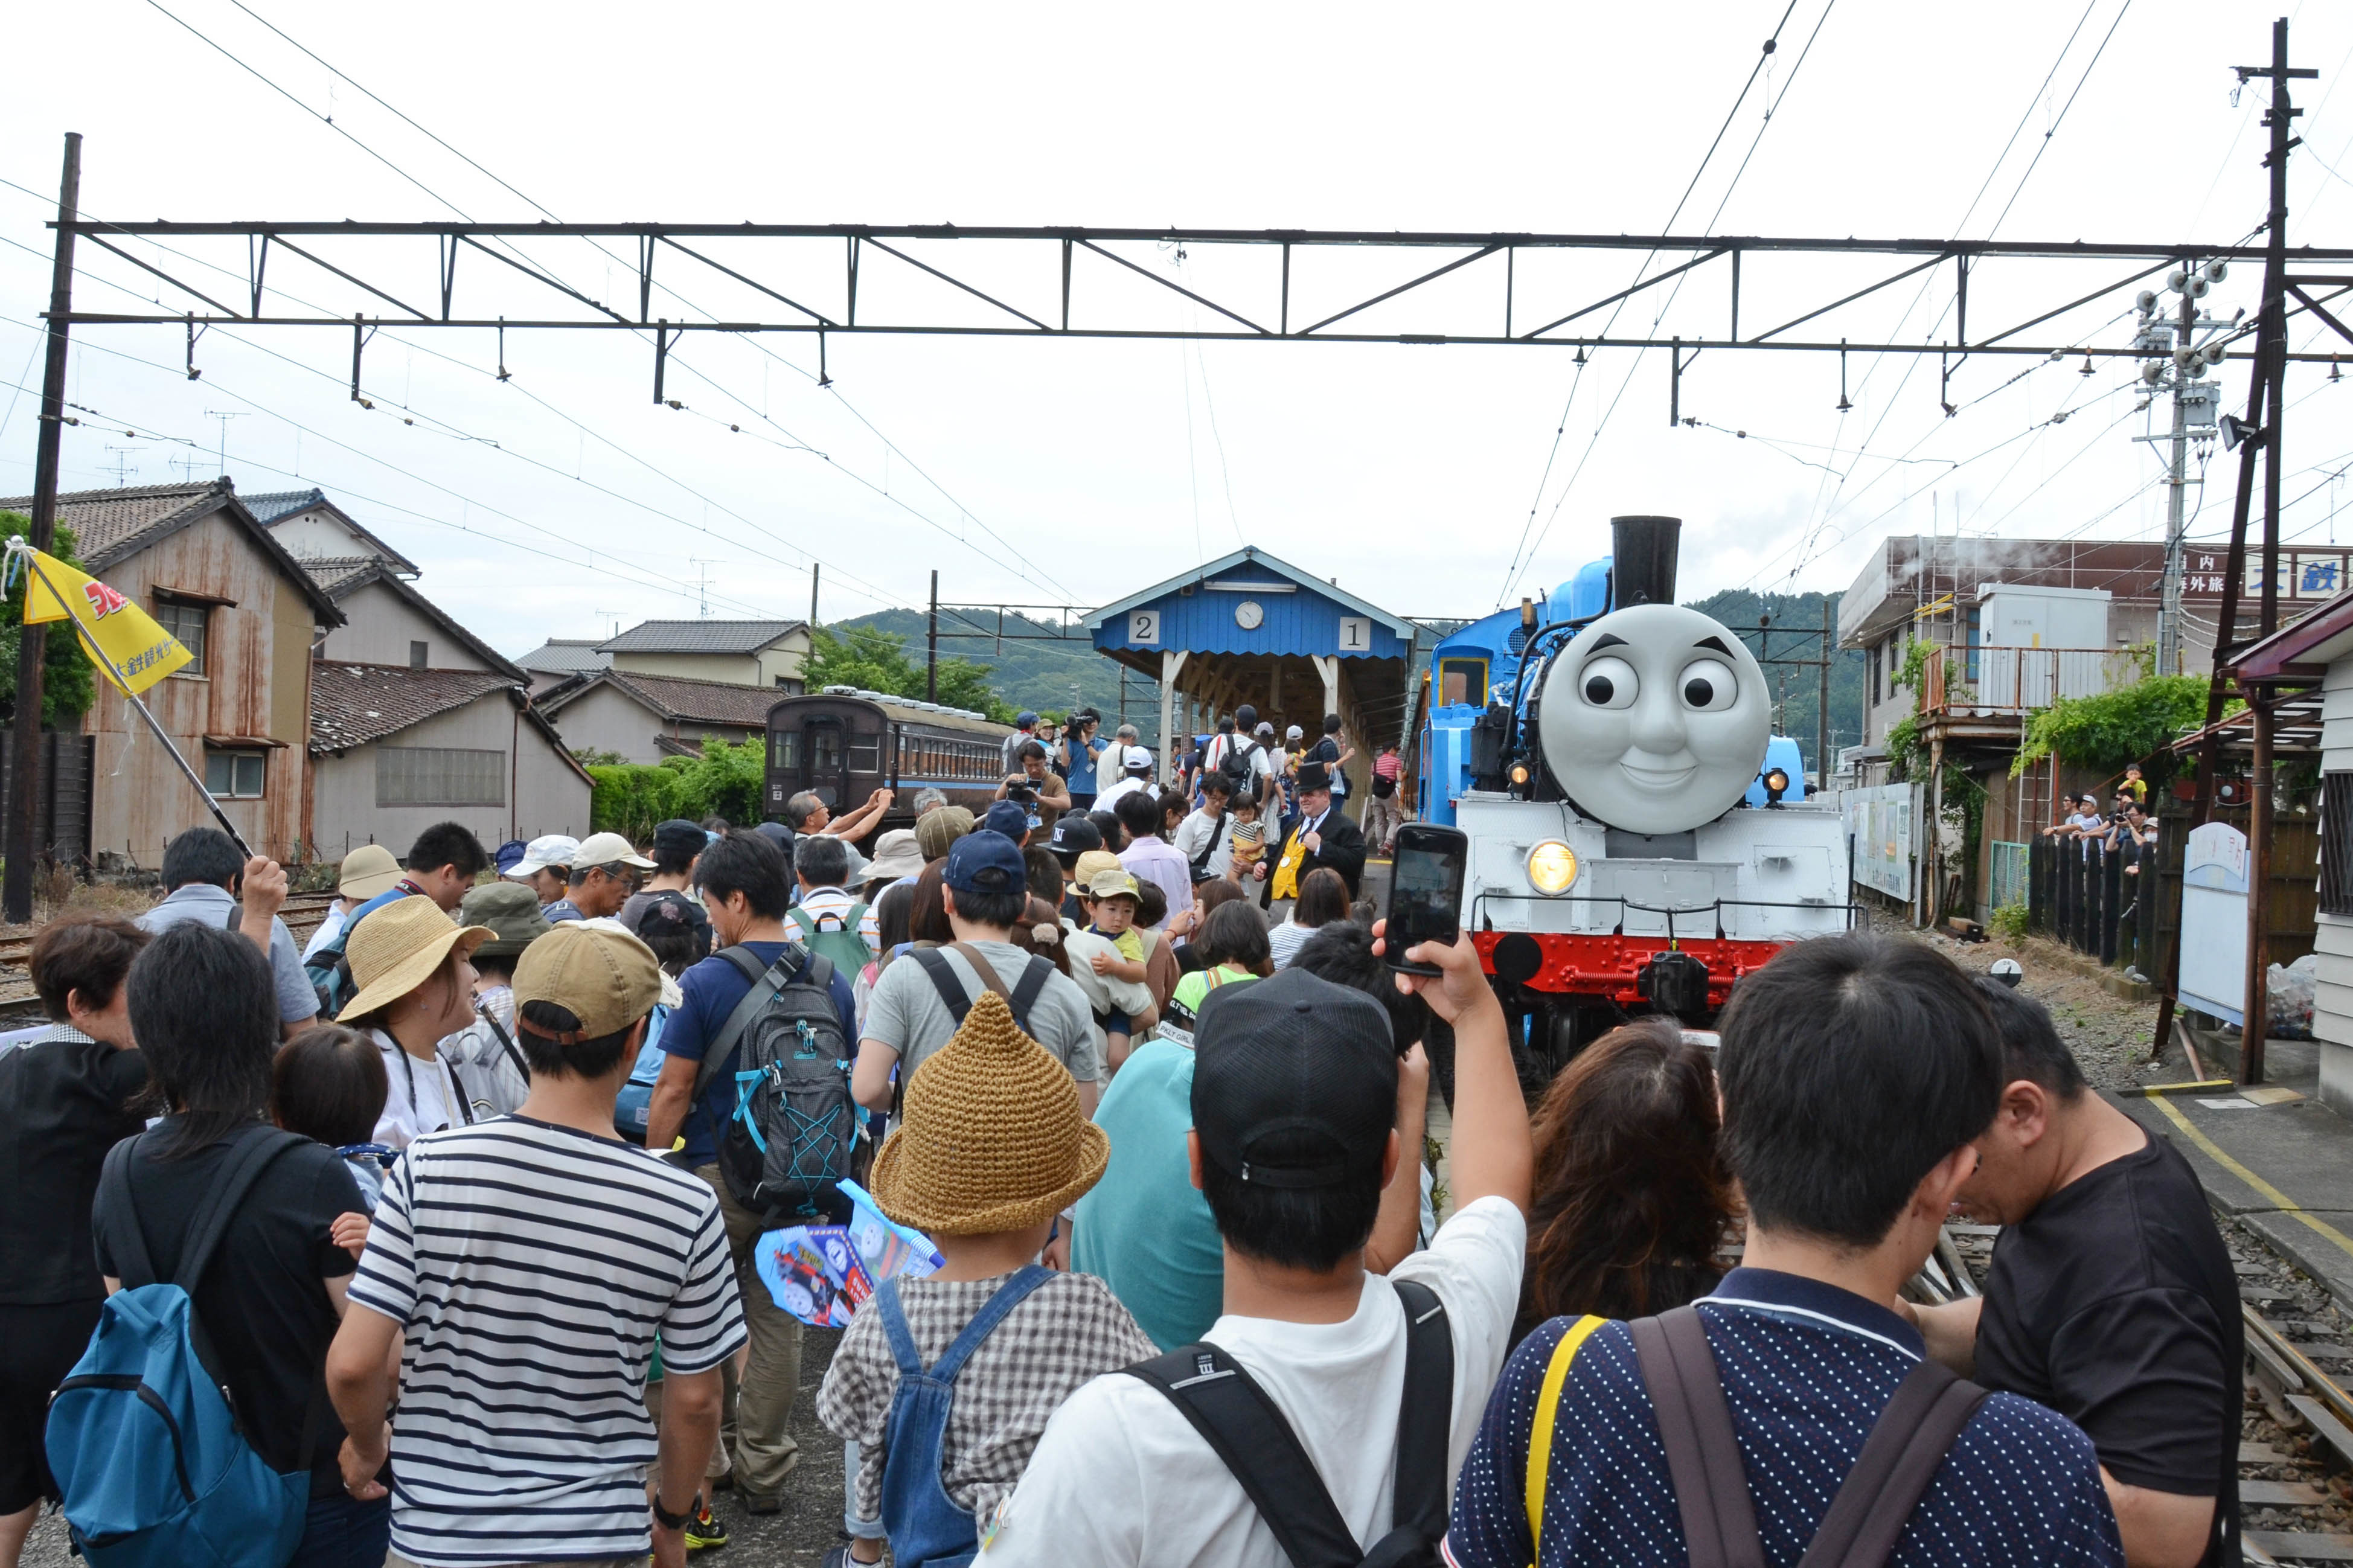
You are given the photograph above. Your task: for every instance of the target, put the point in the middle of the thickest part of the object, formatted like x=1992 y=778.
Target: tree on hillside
x=66 y=693
x=876 y=660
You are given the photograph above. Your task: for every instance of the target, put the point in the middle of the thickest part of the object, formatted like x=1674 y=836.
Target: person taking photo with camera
x=1037 y=788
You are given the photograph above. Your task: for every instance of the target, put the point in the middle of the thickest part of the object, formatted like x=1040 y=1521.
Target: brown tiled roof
x=111 y=526
x=678 y=700
x=337 y=572
x=352 y=704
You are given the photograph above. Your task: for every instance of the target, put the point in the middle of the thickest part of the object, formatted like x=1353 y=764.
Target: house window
x=439 y=776
x=234 y=775
x=416 y=655
x=1871 y=676
x=187 y=623
x=2337 y=844
x=792 y=686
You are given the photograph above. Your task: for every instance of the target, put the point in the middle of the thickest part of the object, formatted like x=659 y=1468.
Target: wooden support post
x=1172 y=664
x=2259 y=893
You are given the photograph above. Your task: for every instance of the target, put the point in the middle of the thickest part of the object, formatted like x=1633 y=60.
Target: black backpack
x=1234 y=762
x=785 y=1150
x=1235 y=1416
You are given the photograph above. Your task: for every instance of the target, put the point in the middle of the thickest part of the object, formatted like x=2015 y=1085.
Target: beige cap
x=607 y=849
x=367 y=871
x=1093 y=863
x=398 y=948
x=1109 y=883
x=608 y=978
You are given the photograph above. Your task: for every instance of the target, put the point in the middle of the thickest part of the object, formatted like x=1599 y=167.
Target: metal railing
x=1974 y=681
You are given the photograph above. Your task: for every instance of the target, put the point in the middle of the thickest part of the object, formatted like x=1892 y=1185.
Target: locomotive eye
x=1709 y=687
x=1609 y=683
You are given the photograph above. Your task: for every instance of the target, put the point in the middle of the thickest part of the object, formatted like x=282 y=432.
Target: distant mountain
x=1795 y=632
x=1035 y=666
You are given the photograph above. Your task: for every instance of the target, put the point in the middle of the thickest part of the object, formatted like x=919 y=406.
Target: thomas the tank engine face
x=1655 y=719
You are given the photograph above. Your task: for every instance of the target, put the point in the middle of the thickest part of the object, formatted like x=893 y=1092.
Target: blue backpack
x=154 y=1467
x=631 y=1110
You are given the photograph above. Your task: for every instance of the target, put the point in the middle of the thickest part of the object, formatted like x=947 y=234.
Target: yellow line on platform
x=2285 y=1204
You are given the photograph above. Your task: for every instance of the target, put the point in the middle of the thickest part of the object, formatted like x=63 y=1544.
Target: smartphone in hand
x=1425 y=890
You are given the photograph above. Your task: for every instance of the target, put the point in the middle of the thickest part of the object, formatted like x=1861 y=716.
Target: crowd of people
x=466 y=1202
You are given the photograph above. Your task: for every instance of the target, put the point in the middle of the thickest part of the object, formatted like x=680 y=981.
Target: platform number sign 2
x=1355 y=634
x=1144 y=627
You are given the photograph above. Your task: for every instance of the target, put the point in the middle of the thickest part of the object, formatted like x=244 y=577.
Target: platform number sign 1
x=1144 y=627
x=1355 y=634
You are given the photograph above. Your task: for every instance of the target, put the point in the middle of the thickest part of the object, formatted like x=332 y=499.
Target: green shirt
x=1144 y=1229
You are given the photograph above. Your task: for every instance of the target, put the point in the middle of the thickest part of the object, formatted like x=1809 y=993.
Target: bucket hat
x=397 y=948
x=993 y=1138
x=510 y=910
x=896 y=855
x=367 y=871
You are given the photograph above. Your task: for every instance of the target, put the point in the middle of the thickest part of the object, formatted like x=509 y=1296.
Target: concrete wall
x=541 y=793
x=607 y=721
x=316 y=534
x=786 y=661
x=256 y=684
x=382 y=624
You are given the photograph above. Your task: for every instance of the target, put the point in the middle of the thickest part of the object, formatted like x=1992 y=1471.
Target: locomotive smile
x=1659 y=778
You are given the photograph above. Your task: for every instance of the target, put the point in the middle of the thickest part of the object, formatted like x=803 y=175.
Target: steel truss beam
x=1064 y=244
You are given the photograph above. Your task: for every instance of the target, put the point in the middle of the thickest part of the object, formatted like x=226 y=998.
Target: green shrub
x=2106 y=731
x=630 y=798
x=2008 y=922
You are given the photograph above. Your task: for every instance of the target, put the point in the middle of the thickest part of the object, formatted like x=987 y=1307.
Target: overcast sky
x=563 y=499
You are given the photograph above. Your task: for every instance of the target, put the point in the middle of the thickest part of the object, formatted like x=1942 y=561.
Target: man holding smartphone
x=1323 y=836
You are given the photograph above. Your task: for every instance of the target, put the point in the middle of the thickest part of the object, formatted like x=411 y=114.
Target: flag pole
x=23 y=553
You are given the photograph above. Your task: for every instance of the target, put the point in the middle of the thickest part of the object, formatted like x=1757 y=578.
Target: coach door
x=824 y=759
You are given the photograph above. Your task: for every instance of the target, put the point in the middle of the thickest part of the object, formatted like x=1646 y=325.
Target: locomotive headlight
x=1777 y=784
x=1552 y=867
x=1519 y=772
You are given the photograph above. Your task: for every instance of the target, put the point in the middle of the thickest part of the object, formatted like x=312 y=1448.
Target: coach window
x=865 y=753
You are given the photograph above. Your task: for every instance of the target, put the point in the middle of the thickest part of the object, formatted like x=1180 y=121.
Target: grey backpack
x=786 y=1145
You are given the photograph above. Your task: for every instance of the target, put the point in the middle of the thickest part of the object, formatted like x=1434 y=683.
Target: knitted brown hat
x=937 y=830
x=993 y=1137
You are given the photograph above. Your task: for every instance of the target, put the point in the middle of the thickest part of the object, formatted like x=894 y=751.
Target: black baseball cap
x=1294 y=1082
x=1074 y=837
x=679 y=839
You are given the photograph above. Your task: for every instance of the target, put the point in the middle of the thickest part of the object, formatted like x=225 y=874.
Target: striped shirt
x=530 y=1268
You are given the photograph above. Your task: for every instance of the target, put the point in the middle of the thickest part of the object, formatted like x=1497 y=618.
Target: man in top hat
x=1323 y=836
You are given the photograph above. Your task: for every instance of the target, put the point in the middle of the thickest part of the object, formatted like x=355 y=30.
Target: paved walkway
x=2275 y=1158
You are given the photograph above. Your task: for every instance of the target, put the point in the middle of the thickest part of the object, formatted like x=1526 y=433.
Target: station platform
x=2273 y=1157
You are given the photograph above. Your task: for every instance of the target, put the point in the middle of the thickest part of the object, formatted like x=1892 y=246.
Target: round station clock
x=1248 y=614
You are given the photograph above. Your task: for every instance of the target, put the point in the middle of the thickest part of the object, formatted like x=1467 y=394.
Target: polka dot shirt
x=1807 y=1368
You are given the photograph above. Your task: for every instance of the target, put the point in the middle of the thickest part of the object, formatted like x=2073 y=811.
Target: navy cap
x=679 y=839
x=1007 y=819
x=1023 y=720
x=1294 y=1082
x=992 y=863
x=1074 y=837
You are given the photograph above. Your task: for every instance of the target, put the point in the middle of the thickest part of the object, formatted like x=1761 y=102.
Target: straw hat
x=397 y=948
x=1093 y=864
x=367 y=871
x=993 y=1138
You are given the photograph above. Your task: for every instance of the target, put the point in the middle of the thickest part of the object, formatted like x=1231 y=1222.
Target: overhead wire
x=676 y=360
x=1577 y=378
x=882 y=597
x=1522 y=561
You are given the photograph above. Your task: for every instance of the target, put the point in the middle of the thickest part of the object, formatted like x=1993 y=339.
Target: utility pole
x=24 y=763
x=1822 y=706
x=932 y=645
x=2272 y=366
x=812 y=570
x=2195 y=403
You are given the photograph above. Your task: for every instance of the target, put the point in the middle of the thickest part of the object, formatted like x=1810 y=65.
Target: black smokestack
x=1643 y=564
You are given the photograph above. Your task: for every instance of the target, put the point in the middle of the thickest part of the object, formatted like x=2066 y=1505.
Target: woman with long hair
x=1631 y=1200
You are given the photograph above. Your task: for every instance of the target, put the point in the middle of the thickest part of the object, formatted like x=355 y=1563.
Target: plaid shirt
x=1069 y=1329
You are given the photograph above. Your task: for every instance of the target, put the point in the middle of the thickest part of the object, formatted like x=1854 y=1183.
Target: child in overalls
x=946 y=1382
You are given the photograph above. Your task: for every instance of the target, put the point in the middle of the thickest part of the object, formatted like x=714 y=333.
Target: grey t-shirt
x=297 y=1002
x=906 y=1014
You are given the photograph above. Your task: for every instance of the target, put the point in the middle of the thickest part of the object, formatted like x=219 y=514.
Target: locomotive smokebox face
x=1655 y=719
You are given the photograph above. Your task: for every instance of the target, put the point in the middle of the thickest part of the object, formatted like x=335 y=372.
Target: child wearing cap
x=1111 y=901
x=944 y=1383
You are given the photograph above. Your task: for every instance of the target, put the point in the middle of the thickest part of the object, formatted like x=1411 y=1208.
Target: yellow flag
x=133 y=651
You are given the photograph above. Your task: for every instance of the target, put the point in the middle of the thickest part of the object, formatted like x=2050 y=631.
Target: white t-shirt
x=1195 y=833
x=419 y=1097
x=1125 y=785
x=1121 y=1478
